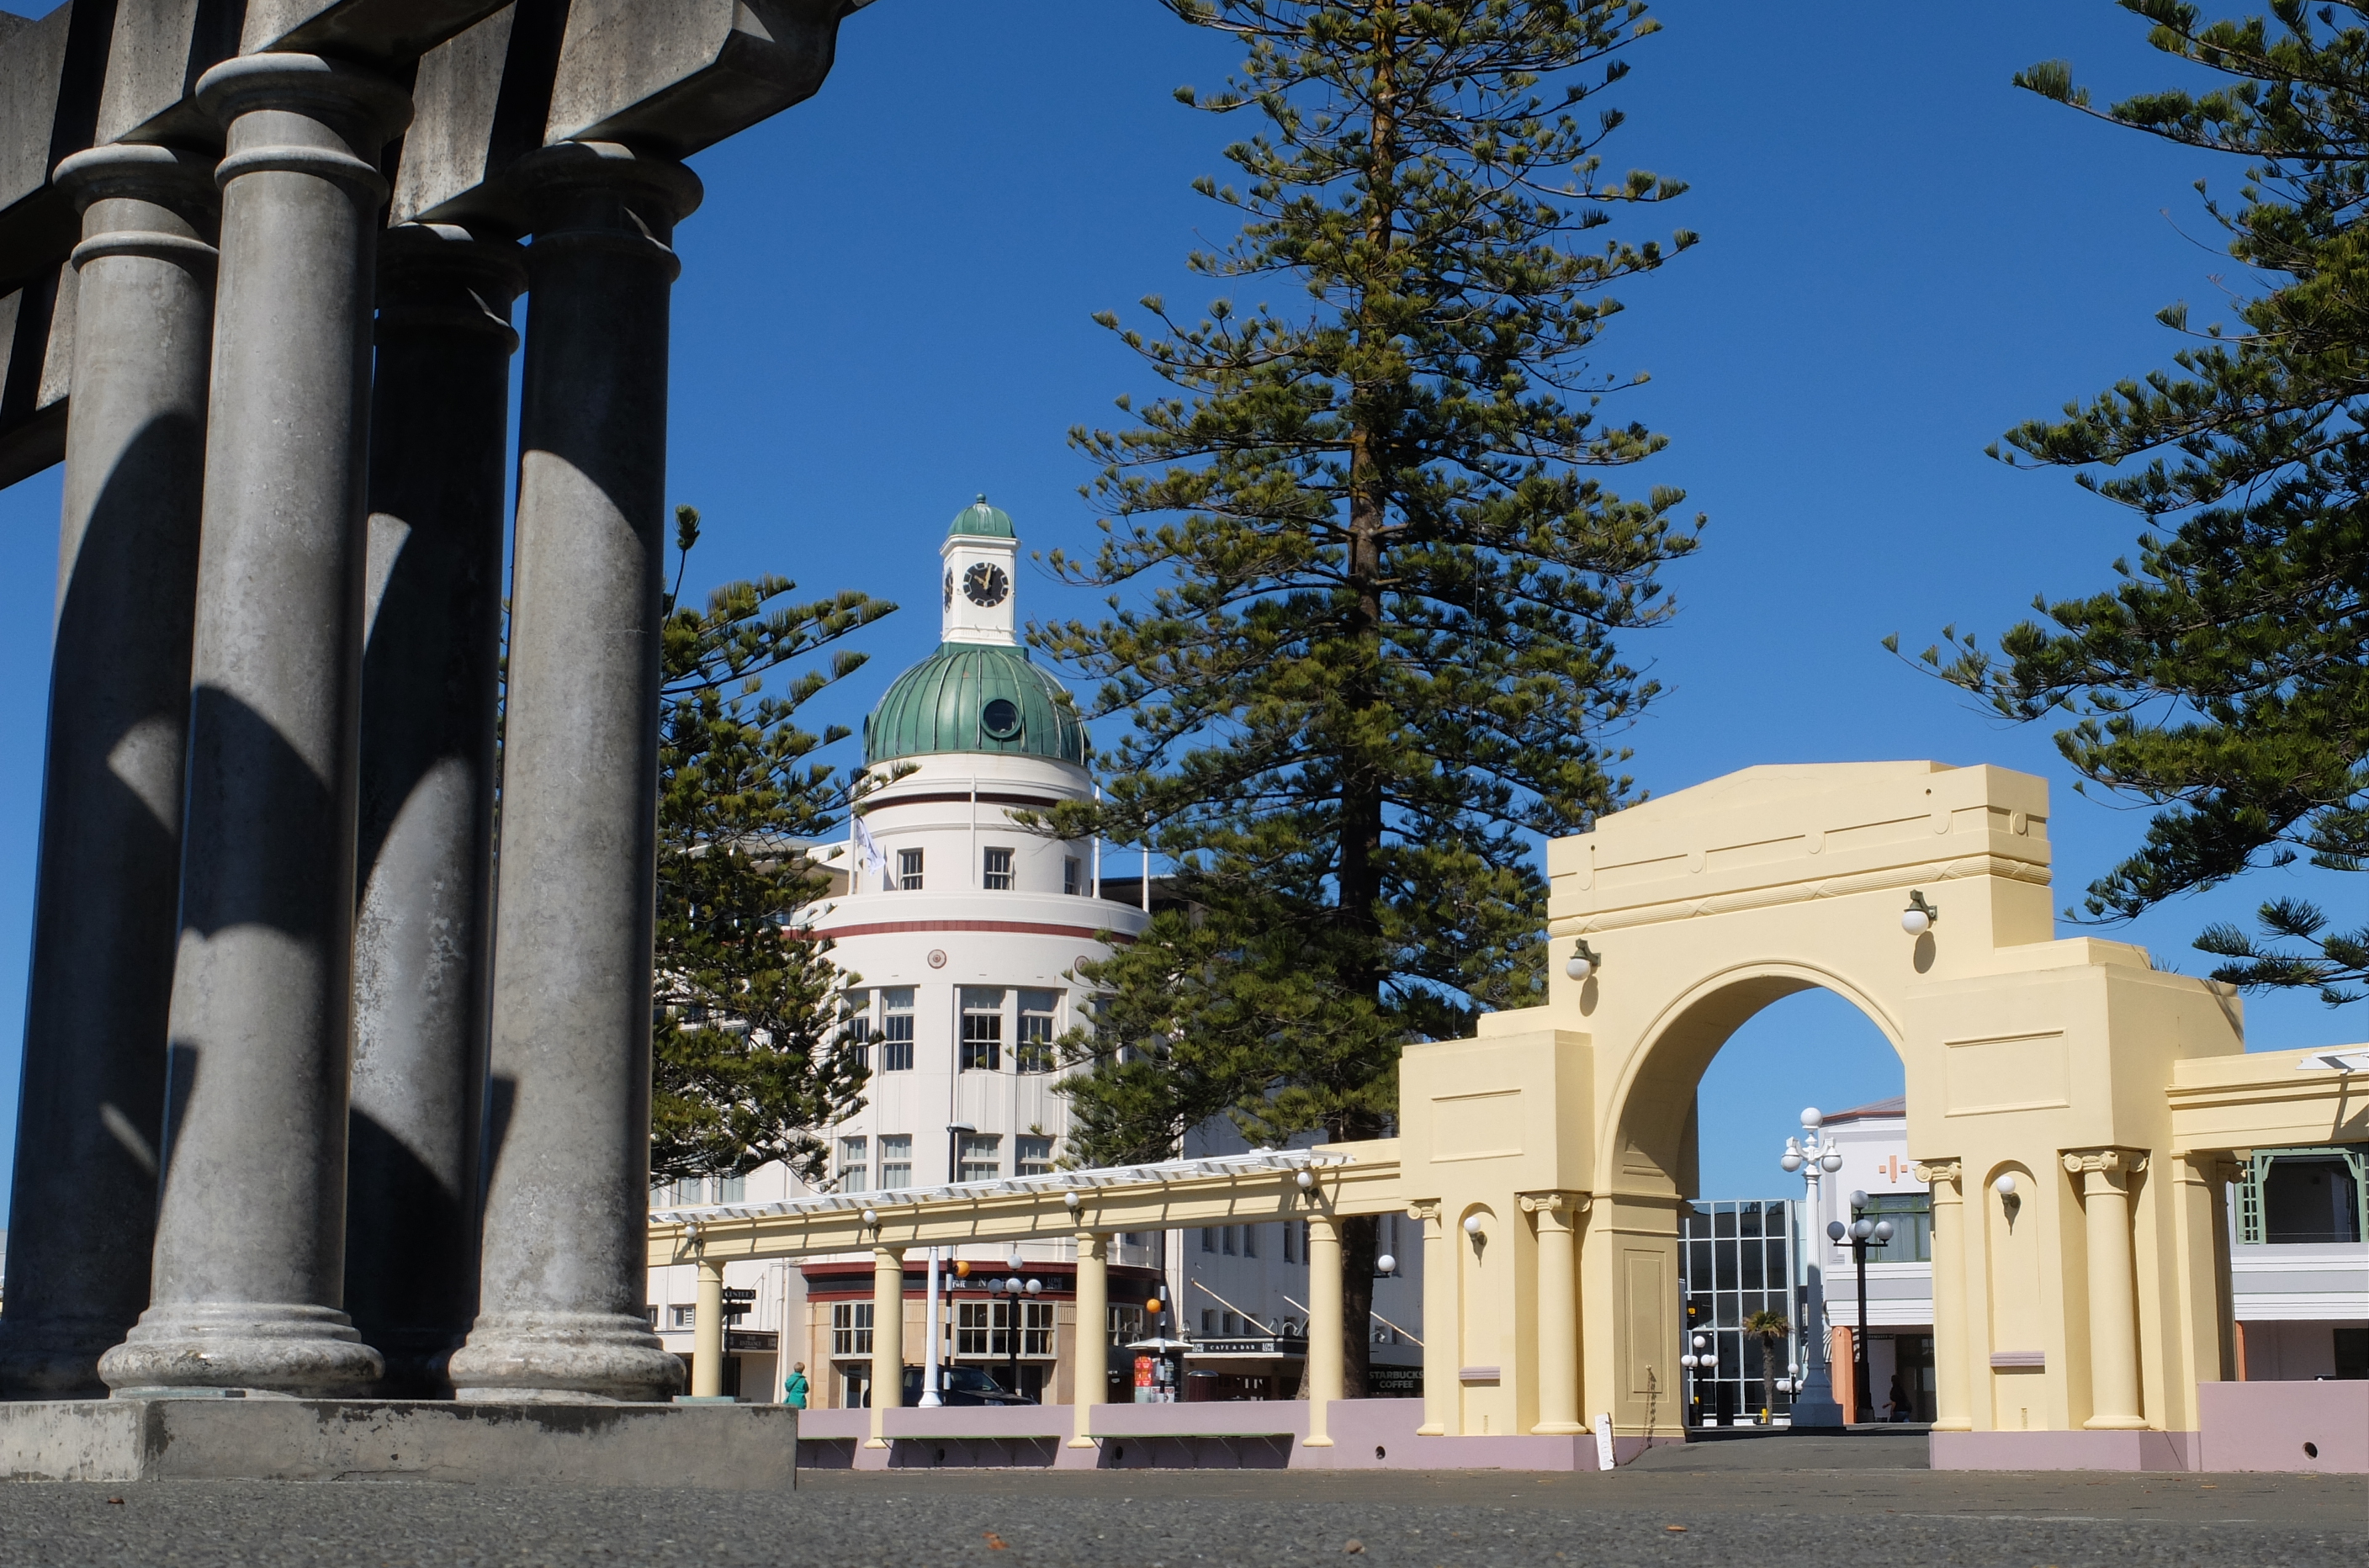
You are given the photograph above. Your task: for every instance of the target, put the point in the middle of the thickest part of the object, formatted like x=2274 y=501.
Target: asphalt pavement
x=1825 y=1500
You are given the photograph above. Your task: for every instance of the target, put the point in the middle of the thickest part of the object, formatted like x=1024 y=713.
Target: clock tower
x=980 y=556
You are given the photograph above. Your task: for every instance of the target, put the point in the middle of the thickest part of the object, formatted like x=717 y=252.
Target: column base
x=1552 y=1428
x=1953 y=1424
x=1082 y=1442
x=56 y=1359
x=267 y=1348
x=2116 y=1423
x=1317 y=1442
x=563 y=1358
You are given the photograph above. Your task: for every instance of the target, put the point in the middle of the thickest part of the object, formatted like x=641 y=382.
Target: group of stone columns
x=289 y=1099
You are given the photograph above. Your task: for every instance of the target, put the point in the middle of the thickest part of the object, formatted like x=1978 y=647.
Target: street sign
x=732 y=1295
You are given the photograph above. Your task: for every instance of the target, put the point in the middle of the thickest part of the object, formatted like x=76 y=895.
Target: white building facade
x=961 y=934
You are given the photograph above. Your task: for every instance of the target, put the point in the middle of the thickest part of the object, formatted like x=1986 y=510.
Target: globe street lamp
x=1813 y=1402
x=1861 y=1230
x=1699 y=1361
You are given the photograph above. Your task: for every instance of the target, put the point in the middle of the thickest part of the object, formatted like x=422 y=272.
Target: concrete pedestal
x=725 y=1448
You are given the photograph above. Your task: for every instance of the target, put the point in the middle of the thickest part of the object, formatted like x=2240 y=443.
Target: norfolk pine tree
x=1371 y=661
x=749 y=1057
x=2225 y=679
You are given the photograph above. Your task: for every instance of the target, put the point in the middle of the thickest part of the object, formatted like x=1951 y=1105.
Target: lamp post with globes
x=1699 y=1361
x=1860 y=1231
x=1812 y=1154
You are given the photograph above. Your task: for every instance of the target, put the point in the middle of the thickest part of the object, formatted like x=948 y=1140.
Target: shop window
x=854 y=1165
x=855 y=1387
x=896 y=1160
x=1031 y=1156
x=982 y=1029
x=897 y=1030
x=1036 y=1327
x=1039 y=1009
x=974 y=1329
x=909 y=870
x=997 y=873
x=982 y=1156
x=851 y=1328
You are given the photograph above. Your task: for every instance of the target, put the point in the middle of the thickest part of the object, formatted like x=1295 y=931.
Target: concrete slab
x=745 y=1447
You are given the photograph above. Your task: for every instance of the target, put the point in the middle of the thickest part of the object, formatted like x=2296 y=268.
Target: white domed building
x=961 y=934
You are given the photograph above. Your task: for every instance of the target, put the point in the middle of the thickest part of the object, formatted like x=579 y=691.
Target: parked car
x=962 y=1385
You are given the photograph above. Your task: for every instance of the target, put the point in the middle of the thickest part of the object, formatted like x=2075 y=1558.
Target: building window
x=1209 y=1322
x=1034 y=1156
x=651 y=1315
x=1036 y=1327
x=1249 y=1241
x=1912 y=1226
x=1208 y=1238
x=851 y=1328
x=897 y=1030
x=2290 y=1196
x=909 y=870
x=1226 y=1237
x=1038 y=1011
x=731 y=1189
x=854 y=1165
x=856 y=1028
x=1073 y=881
x=998 y=878
x=896 y=1160
x=1738 y=1259
x=1290 y=1253
x=684 y=1317
x=1126 y=1324
x=982 y=1156
x=974 y=1329
x=982 y=1029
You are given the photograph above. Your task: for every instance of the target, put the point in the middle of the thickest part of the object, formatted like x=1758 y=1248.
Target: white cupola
x=982 y=553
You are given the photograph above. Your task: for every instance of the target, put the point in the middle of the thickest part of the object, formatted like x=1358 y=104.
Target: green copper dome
x=979 y=520
x=975 y=697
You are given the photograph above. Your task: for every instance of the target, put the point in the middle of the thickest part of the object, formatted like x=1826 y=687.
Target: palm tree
x=1768 y=1328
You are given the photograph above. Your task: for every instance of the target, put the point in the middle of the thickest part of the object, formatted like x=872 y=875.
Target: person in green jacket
x=794 y=1392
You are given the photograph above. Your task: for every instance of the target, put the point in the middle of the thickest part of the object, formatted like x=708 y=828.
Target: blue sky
x=884 y=310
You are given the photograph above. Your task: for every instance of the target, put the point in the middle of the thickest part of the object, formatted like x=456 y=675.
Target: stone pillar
x=423 y=932
x=887 y=1340
x=250 y=1262
x=1325 y=1350
x=1441 y=1333
x=1089 y=1378
x=2105 y=1175
x=1952 y=1408
x=1556 y=1216
x=82 y=1212
x=569 y=1198
x=708 y=1333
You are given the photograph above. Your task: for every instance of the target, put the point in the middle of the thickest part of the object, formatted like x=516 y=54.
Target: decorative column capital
x=1426 y=1209
x=358 y=107
x=167 y=186
x=2104 y=1161
x=1940 y=1174
x=1566 y=1206
x=439 y=276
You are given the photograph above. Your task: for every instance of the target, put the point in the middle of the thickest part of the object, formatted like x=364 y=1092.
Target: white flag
x=868 y=857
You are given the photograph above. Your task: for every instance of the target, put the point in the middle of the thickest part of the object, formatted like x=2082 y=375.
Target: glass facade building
x=1739 y=1258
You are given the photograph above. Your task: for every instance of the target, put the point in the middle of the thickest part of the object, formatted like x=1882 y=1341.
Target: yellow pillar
x=1555 y=1215
x=1324 y=1330
x=887 y=1340
x=1953 y=1406
x=2105 y=1176
x=1090 y=1361
x=1441 y=1334
x=708 y=1333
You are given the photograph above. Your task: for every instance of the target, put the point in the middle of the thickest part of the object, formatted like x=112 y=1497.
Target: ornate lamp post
x=1700 y=1360
x=1813 y=1402
x=1861 y=1230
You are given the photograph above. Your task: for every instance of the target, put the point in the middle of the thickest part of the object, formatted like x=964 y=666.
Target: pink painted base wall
x=2321 y=1427
x=2266 y=1427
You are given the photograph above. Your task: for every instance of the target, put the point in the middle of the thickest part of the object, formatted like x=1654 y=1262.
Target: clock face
x=985 y=584
x=950 y=588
